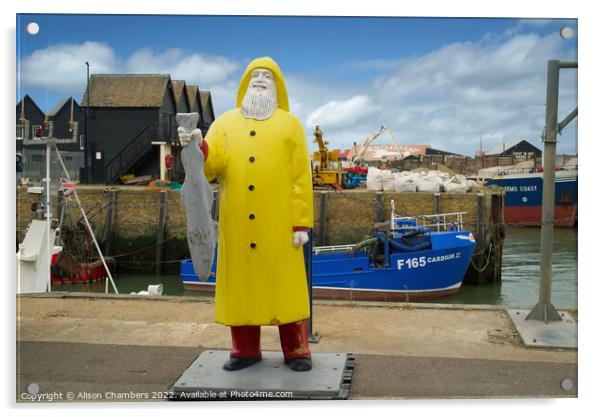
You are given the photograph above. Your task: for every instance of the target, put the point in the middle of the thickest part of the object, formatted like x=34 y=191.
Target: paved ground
x=140 y=346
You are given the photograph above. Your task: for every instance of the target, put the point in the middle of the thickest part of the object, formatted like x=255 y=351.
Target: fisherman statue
x=259 y=154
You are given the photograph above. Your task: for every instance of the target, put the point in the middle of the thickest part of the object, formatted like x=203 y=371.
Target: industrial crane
x=358 y=173
x=358 y=157
x=326 y=175
x=323 y=175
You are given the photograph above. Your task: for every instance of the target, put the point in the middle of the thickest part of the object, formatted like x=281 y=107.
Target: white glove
x=186 y=138
x=300 y=239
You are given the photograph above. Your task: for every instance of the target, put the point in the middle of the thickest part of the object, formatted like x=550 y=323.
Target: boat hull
x=564 y=215
x=349 y=294
x=523 y=198
x=411 y=276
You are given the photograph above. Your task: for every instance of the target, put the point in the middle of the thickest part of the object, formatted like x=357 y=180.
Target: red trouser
x=293 y=339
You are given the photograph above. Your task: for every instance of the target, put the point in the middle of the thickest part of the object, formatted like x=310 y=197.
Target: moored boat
x=407 y=259
x=523 y=197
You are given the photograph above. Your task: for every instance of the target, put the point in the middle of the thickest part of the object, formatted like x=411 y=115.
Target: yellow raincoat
x=265 y=190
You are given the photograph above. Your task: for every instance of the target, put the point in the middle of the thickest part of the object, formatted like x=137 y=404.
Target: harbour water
x=520 y=274
x=520 y=271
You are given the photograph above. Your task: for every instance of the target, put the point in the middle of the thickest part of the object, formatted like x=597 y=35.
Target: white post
x=164 y=150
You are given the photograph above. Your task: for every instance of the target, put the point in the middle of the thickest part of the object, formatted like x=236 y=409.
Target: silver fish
x=197 y=198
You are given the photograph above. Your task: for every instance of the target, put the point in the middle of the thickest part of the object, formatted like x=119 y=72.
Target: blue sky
x=438 y=81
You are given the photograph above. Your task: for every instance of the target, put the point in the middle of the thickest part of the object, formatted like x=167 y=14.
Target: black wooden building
x=518 y=148
x=127 y=113
x=433 y=151
x=68 y=122
x=207 y=114
x=179 y=92
x=65 y=121
x=29 y=118
x=194 y=99
x=199 y=102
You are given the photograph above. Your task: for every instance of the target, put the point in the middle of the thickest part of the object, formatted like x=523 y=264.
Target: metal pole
x=481 y=151
x=87 y=115
x=544 y=310
x=160 y=232
x=50 y=242
x=379 y=207
x=323 y=214
x=566 y=121
x=481 y=244
x=308 y=250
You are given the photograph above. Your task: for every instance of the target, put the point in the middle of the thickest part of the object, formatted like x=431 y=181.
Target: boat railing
x=515 y=171
x=334 y=248
x=521 y=171
x=436 y=222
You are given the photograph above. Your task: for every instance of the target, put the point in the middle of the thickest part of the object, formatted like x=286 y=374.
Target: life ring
x=159 y=185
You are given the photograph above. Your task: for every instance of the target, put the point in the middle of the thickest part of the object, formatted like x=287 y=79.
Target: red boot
x=295 y=345
x=245 y=347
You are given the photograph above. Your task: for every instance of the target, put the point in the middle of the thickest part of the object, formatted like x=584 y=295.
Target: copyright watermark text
x=32 y=395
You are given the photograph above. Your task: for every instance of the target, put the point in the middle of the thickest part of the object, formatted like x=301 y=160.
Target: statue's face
x=261 y=99
x=262 y=82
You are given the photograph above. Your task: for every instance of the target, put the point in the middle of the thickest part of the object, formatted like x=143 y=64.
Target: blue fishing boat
x=407 y=259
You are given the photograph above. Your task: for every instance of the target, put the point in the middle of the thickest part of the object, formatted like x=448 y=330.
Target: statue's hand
x=186 y=138
x=300 y=239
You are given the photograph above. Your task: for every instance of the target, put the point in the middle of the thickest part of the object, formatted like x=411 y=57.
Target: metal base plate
x=269 y=379
x=554 y=334
x=314 y=337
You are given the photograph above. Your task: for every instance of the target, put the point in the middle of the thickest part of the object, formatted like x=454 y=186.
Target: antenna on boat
x=392 y=214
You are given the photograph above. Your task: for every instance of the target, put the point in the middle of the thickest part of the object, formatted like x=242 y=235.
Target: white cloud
x=194 y=68
x=451 y=96
x=338 y=114
x=526 y=24
x=62 y=67
x=446 y=98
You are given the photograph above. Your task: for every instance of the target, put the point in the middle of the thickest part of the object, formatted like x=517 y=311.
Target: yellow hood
x=269 y=64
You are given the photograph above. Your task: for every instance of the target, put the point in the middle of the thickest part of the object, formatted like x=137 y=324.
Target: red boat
x=65 y=269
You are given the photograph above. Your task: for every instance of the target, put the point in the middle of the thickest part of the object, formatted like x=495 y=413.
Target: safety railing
x=334 y=248
x=435 y=222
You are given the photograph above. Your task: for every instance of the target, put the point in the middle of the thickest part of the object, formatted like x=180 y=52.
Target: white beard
x=258 y=105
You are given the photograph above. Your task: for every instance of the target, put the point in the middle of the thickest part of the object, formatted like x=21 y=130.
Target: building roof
x=206 y=104
x=503 y=147
x=127 y=90
x=58 y=106
x=205 y=97
x=21 y=104
x=192 y=92
x=178 y=87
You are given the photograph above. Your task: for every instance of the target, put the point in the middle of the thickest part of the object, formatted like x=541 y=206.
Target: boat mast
x=392 y=214
x=79 y=203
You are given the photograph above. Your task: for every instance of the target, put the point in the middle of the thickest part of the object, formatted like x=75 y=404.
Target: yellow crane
x=323 y=173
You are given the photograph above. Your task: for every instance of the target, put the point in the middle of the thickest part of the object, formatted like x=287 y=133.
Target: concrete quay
x=132 y=348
